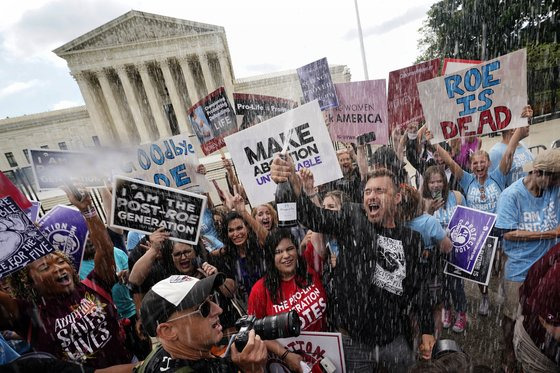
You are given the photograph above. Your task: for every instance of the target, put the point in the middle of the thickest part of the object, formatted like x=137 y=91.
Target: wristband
x=284 y=354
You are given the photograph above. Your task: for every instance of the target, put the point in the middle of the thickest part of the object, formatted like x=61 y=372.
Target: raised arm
x=107 y=200
x=143 y=265
x=453 y=166
x=237 y=203
x=361 y=160
x=519 y=134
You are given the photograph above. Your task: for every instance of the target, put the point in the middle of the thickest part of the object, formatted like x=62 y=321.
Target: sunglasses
x=482 y=193
x=203 y=309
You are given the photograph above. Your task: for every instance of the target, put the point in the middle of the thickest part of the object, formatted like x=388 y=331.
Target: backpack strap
x=98 y=289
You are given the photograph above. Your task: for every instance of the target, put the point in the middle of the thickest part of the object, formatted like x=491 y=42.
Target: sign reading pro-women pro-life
x=481 y=99
x=309 y=145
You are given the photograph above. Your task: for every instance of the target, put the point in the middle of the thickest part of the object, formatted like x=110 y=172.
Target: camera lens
x=283 y=325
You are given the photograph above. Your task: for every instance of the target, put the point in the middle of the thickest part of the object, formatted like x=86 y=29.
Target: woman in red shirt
x=288 y=285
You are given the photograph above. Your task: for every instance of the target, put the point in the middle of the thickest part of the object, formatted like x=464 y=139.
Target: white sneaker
x=484 y=306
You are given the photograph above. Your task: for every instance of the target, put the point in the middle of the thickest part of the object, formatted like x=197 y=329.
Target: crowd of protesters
x=370 y=247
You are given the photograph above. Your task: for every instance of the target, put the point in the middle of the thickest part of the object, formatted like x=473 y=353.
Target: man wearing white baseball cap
x=182 y=313
x=529 y=217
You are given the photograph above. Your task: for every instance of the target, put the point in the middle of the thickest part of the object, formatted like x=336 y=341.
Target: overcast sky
x=263 y=37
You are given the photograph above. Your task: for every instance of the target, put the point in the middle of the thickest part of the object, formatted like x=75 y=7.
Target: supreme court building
x=138 y=75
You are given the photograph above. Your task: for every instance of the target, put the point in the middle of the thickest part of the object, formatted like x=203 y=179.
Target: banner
x=145 y=207
x=482 y=267
x=403 y=103
x=309 y=145
x=316 y=83
x=67 y=231
x=484 y=98
x=7 y=188
x=21 y=242
x=208 y=233
x=314 y=347
x=468 y=230
x=212 y=118
x=252 y=109
x=171 y=162
x=33 y=212
x=51 y=168
x=362 y=109
x=453 y=65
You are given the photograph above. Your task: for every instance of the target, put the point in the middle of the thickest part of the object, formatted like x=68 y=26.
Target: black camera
x=283 y=325
x=365 y=138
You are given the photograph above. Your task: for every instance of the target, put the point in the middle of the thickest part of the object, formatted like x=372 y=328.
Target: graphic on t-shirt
x=84 y=331
x=390 y=269
x=533 y=221
x=308 y=303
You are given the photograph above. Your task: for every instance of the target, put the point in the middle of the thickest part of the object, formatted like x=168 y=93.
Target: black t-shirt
x=377 y=284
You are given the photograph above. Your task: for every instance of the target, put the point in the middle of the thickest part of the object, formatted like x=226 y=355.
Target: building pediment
x=135 y=27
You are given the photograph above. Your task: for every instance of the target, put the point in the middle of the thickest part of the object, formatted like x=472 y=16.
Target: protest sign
x=7 y=188
x=468 y=230
x=208 y=233
x=453 y=65
x=313 y=347
x=485 y=98
x=33 y=212
x=309 y=146
x=171 y=162
x=482 y=267
x=362 y=109
x=403 y=104
x=316 y=83
x=252 y=109
x=21 y=242
x=52 y=168
x=212 y=118
x=67 y=231
x=145 y=207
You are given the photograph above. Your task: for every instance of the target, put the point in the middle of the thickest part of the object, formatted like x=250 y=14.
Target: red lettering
x=448 y=129
x=486 y=118
x=461 y=122
x=506 y=120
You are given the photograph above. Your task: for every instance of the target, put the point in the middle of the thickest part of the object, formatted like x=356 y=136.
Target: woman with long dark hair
x=289 y=284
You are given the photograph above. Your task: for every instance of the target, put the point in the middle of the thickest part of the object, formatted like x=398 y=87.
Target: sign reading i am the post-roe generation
x=146 y=207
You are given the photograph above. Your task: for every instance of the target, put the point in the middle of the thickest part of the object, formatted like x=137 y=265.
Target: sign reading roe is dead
x=481 y=99
x=145 y=207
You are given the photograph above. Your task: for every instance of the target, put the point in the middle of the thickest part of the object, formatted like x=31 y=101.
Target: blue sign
x=468 y=230
x=316 y=84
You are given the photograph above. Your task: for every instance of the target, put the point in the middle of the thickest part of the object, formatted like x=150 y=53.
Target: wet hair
x=386 y=157
x=430 y=171
x=273 y=213
x=479 y=153
x=411 y=202
x=22 y=284
x=252 y=248
x=384 y=172
x=272 y=279
x=167 y=255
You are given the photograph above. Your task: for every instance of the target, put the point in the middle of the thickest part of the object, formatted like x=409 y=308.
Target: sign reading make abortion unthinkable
x=316 y=83
x=482 y=267
x=171 y=162
x=362 y=109
x=252 y=109
x=67 y=231
x=485 y=98
x=52 y=167
x=309 y=145
x=212 y=119
x=145 y=207
x=21 y=242
x=468 y=230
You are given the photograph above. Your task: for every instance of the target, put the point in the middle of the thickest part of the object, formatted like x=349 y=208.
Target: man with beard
x=377 y=282
x=350 y=181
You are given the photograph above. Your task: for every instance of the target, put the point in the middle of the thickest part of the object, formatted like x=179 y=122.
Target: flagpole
x=364 y=63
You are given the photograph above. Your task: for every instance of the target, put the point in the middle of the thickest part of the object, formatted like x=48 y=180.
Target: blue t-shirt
x=119 y=292
x=521 y=156
x=430 y=229
x=493 y=186
x=518 y=209
x=132 y=240
x=444 y=214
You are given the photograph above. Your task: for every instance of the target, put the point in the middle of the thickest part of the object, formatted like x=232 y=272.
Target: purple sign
x=66 y=229
x=316 y=84
x=33 y=212
x=468 y=229
x=20 y=241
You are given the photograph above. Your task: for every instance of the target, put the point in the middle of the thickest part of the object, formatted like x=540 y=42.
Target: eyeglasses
x=482 y=193
x=203 y=309
x=286 y=250
x=185 y=253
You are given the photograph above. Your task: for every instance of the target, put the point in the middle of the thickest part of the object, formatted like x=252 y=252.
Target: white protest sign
x=316 y=346
x=481 y=99
x=171 y=162
x=309 y=145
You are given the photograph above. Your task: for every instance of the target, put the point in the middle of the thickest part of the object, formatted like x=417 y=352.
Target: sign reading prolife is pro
x=309 y=145
x=212 y=118
x=252 y=109
x=485 y=98
x=362 y=109
x=468 y=230
x=316 y=83
x=145 y=207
